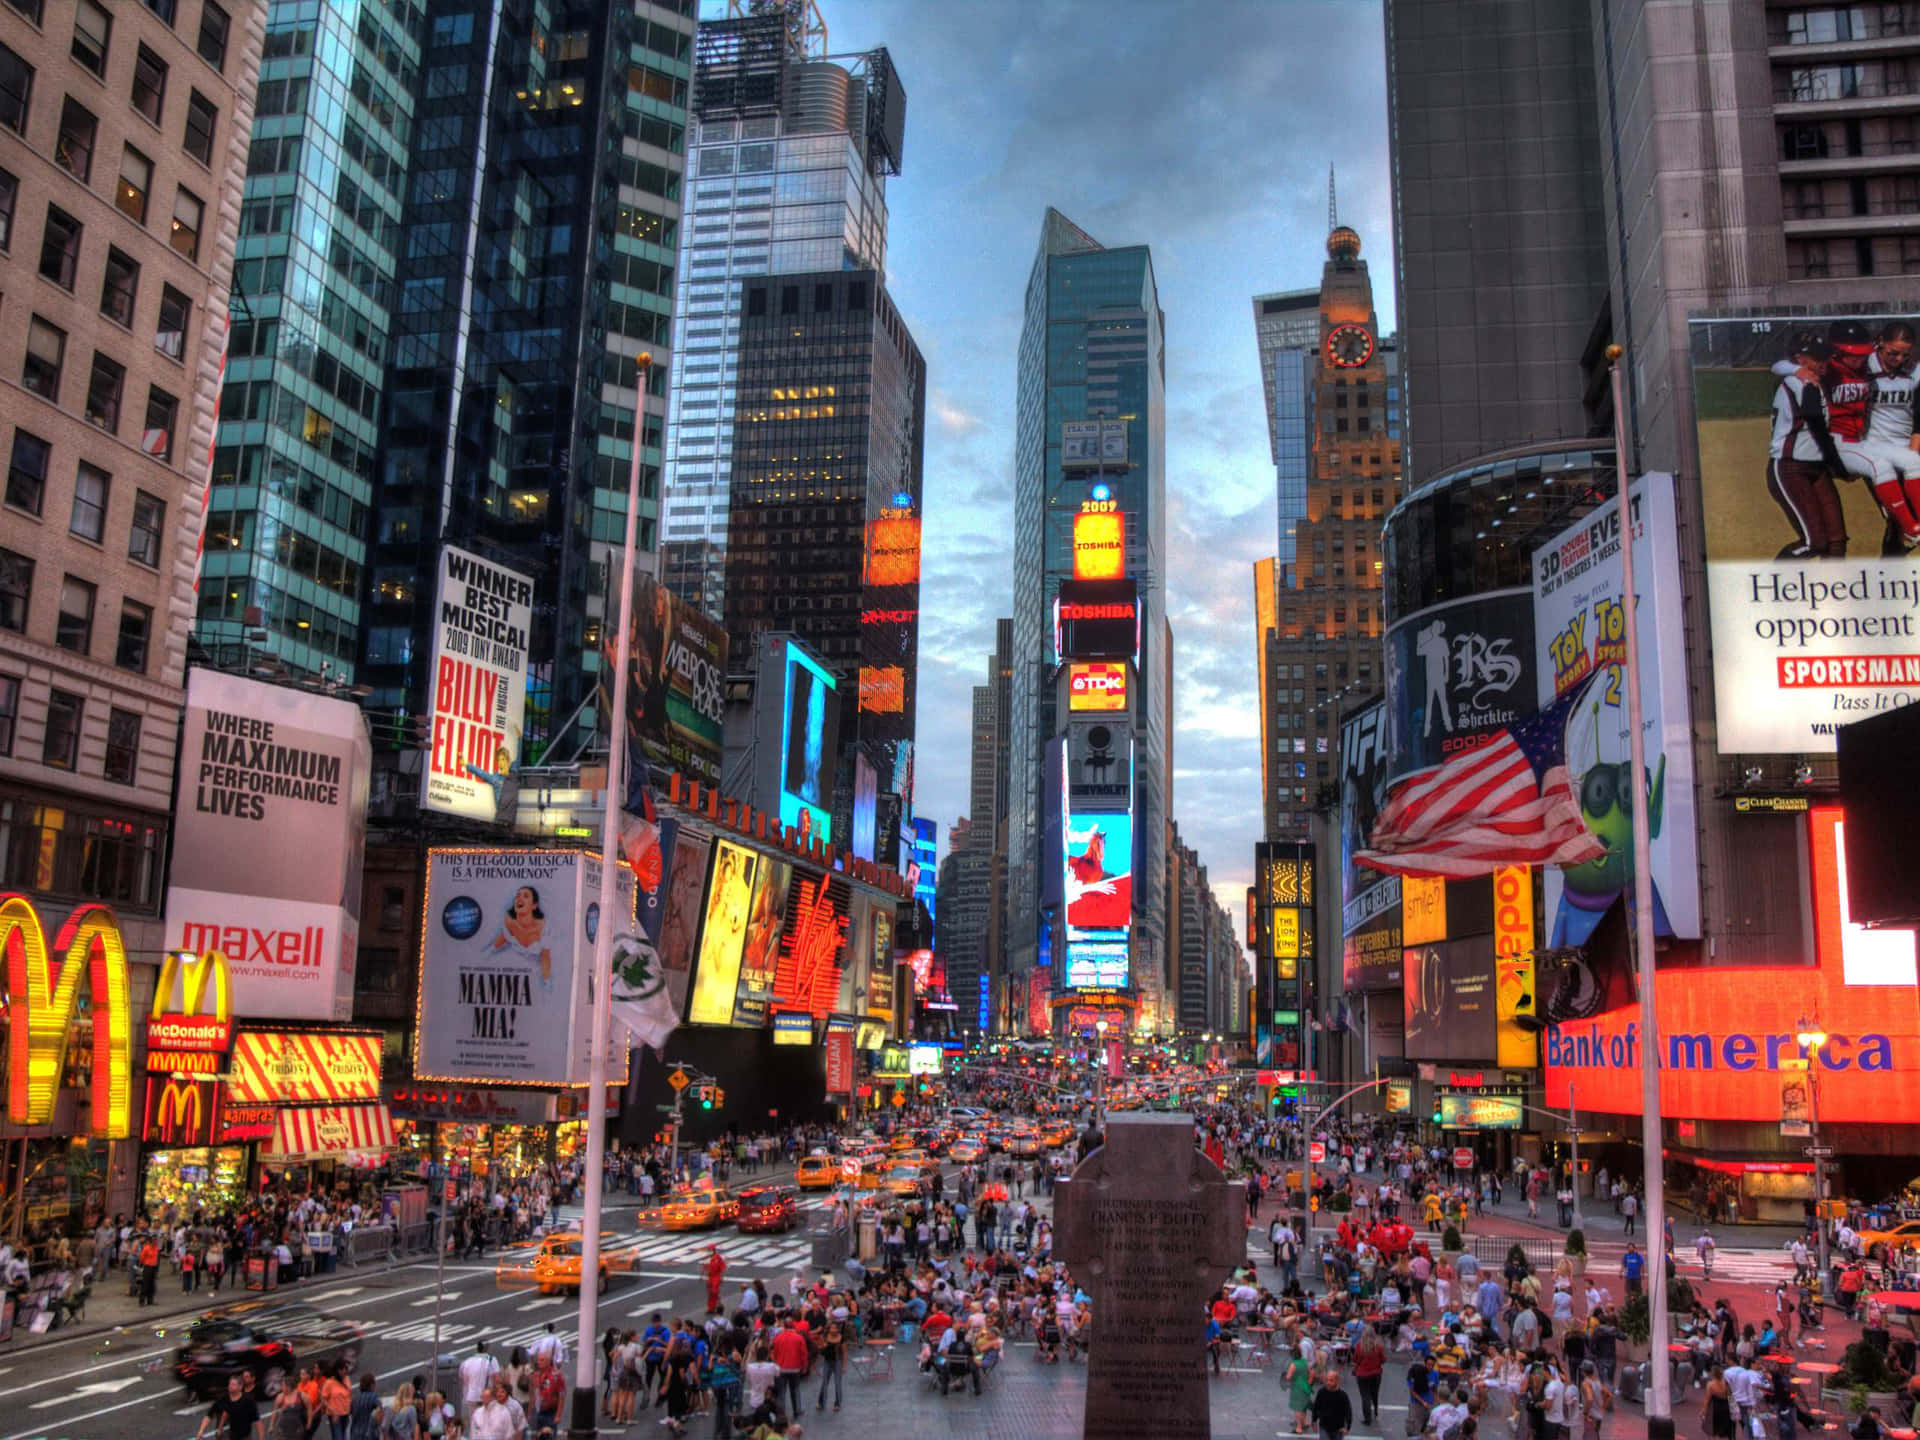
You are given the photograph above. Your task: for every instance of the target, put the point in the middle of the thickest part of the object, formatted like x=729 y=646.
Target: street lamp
x=1100 y=1103
x=1811 y=1038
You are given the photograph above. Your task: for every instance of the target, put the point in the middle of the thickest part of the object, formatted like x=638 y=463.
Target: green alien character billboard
x=1579 y=624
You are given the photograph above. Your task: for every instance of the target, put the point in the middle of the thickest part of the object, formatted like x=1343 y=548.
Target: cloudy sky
x=1203 y=130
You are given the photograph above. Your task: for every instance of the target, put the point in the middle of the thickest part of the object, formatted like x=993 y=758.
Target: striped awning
x=314 y=1132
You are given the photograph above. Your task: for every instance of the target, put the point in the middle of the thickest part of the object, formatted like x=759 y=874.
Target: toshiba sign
x=1096 y=685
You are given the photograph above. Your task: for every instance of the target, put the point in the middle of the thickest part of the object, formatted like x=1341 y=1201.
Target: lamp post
x=1811 y=1038
x=1100 y=1102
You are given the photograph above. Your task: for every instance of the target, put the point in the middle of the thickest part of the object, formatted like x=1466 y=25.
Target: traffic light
x=1438 y=1113
x=704 y=1094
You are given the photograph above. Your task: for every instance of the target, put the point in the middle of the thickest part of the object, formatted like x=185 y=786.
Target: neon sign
x=45 y=1004
x=808 y=975
x=1099 y=542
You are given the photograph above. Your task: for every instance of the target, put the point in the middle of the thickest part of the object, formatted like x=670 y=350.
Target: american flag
x=1511 y=802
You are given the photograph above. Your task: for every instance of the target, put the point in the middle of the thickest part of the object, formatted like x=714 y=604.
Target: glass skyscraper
x=1091 y=347
x=791 y=154
x=1287 y=328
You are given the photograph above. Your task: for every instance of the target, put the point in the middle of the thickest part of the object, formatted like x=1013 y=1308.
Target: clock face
x=1349 y=346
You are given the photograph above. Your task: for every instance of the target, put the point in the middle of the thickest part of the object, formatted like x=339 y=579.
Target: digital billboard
x=866 y=799
x=813 y=945
x=482 y=620
x=676 y=692
x=727 y=909
x=1479 y=1110
x=760 y=951
x=1811 y=586
x=1369 y=899
x=1099 y=541
x=1451 y=1012
x=1579 y=624
x=1097 y=887
x=1456 y=674
x=893 y=549
x=1096 y=620
x=686 y=887
x=269 y=830
x=1096 y=685
x=1727 y=1033
x=809 y=744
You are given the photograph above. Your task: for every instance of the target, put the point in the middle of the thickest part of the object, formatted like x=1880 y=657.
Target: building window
x=46 y=355
x=123 y=746
x=136 y=181
x=16 y=90
x=27 y=472
x=165 y=9
x=149 y=519
x=212 y=44
x=149 y=84
x=136 y=627
x=187 y=210
x=163 y=412
x=118 y=289
x=171 y=338
x=74 y=146
x=73 y=630
x=60 y=248
x=9 y=197
x=16 y=588
x=104 y=388
x=90 y=487
x=92 y=27
x=9 y=711
x=202 y=116
x=60 y=747
x=29 y=8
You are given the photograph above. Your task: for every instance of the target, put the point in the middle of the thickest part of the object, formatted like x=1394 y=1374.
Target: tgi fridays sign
x=483 y=614
x=293 y=1067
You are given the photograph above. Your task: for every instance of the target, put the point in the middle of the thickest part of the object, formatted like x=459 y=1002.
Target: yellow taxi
x=700 y=1208
x=817 y=1172
x=1877 y=1243
x=905 y=1181
x=862 y=1169
x=556 y=1266
x=1056 y=1135
x=902 y=1142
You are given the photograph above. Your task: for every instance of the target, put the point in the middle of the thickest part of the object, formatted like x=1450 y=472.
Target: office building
x=825 y=511
x=123 y=131
x=1091 y=352
x=1286 y=326
x=791 y=151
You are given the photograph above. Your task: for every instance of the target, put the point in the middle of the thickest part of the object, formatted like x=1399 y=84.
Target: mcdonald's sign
x=197 y=978
x=179 y=1112
x=45 y=1003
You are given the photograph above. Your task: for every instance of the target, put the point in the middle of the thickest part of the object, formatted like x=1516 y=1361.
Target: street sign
x=1316 y=1151
x=1463 y=1158
x=669 y=1109
x=678 y=1080
x=448 y=1193
x=1818 y=1152
x=899 y=1099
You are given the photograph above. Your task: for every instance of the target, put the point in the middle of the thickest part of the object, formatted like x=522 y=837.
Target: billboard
x=727 y=907
x=1369 y=899
x=1096 y=685
x=809 y=745
x=1093 y=445
x=1099 y=541
x=482 y=621
x=866 y=800
x=1097 y=762
x=760 y=951
x=1728 y=1033
x=1096 y=620
x=505 y=955
x=1097 y=886
x=893 y=549
x=269 y=824
x=1810 y=584
x=1456 y=674
x=1481 y=1110
x=1579 y=629
x=285 y=1067
x=676 y=691
x=680 y=923
x=1516 y=1041
x=1450 y=1003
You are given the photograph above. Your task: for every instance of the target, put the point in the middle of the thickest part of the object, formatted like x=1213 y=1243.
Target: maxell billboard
x=269 y=820
x=482 y=615
x=1812 y=583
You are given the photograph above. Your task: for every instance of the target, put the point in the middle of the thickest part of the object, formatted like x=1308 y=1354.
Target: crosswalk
x=689 y=1249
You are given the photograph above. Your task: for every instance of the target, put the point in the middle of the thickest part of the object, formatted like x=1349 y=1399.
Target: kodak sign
x=45 y=1003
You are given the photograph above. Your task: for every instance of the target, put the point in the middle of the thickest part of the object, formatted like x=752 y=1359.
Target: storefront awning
x=313 y=1132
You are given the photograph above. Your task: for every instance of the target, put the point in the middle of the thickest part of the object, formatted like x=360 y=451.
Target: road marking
x=39 y=1432
x=542 y=1302
x=91 y=1388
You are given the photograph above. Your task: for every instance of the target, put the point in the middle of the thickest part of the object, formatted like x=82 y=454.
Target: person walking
x=1369 y=1363
x=1332 y=1410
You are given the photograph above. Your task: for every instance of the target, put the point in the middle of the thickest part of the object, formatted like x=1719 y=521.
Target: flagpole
x=584 y=1422
x=1660 y=1393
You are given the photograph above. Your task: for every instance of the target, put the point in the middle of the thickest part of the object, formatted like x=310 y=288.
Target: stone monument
x=1150 y=1228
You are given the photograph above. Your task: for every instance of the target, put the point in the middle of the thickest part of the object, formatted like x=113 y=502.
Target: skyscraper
x=1286 y=326
x=1091 y=353
x=792 y=149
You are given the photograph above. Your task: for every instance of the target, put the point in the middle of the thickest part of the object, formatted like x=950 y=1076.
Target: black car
x=271 y=1339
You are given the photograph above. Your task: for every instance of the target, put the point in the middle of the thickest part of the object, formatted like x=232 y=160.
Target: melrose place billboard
x=1812 y=588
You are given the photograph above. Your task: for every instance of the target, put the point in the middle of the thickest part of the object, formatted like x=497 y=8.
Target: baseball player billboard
x=1810 y=487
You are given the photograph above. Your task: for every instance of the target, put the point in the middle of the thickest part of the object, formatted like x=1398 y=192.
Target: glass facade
x=290 y=509
x=785 y=179
x=824 y=506
x=1091 y=347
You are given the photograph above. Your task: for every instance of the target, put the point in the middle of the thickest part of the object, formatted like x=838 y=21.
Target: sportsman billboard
x=1810 y=498
x=270 y=818
x=1457 y=673
x=482 y=621
x=676 y=695
x=1579 y=624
